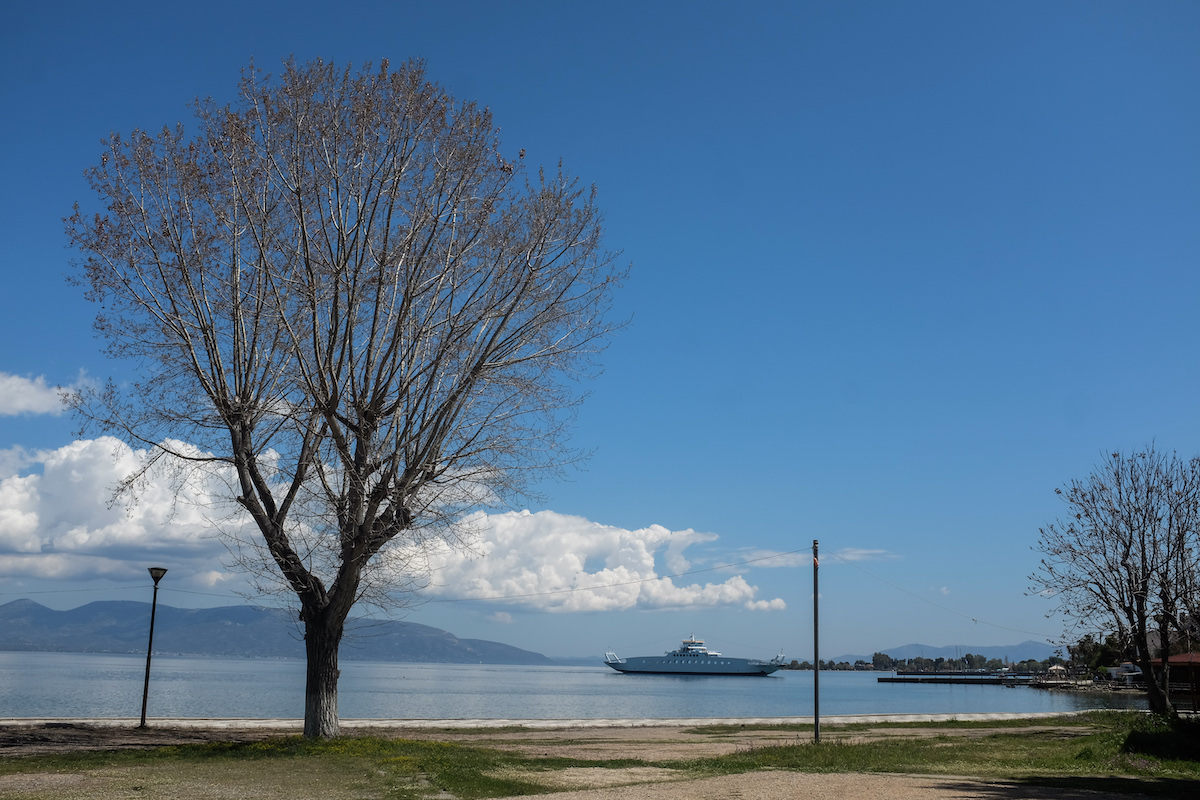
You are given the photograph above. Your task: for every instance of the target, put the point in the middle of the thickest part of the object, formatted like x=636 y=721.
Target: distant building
x=1127 y=673
x=1184 y=689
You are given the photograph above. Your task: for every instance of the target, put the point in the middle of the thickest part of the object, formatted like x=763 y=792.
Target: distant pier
x=977 y=680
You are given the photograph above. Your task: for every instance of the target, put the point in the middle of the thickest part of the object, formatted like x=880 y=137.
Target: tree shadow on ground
x=1179 y=739
x=1080 y=788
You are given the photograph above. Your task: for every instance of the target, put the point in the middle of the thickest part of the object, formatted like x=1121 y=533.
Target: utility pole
x=816 y=654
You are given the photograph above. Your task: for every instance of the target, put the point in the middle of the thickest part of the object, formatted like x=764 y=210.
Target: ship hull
x=669 y=665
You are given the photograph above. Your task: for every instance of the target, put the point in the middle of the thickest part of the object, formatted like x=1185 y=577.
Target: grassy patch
x=1069 y=720
x=290 y=767
x=1110 y=751
x=1121 y=751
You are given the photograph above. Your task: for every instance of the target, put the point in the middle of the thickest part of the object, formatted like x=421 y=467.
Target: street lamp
x=156 y=573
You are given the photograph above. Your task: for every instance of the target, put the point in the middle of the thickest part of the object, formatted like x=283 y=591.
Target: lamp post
x=156 y=573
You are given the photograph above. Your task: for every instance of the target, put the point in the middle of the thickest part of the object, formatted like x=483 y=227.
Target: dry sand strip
x=781 y=785
x=646 y=739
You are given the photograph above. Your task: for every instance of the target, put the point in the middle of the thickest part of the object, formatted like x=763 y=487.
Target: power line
x=120 y=587
x=975 y=620
x=203 y=594
x=568 y=590
x=573 y=589
x=115 y=587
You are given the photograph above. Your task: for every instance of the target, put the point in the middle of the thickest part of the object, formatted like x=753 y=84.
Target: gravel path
x=842 y=786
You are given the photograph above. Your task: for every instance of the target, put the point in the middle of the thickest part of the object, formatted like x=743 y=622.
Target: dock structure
x=978 y=680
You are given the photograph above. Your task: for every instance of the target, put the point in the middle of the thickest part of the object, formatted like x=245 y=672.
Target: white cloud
x=803 y=558
x=13 y=460
x=20 y=395
x=558 y=562
x=861 y=554
x=211 y=578
x=62 y=523
x=19 y=515
x=767 y=605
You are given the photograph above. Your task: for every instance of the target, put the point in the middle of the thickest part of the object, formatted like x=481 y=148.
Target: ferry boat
x=693 y=658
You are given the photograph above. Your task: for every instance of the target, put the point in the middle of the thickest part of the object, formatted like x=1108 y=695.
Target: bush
x=1152 y=735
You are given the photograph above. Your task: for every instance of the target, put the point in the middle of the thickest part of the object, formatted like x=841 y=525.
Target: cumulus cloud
x=58 y=521
x=558 y=562
x=18 y=515
x=13 y=460
x=62 y=523
x=21 y=395
x=767 y=605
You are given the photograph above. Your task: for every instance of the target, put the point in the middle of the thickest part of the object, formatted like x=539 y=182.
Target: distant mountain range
x=1011 y=652
x=240 y=631
x=256 y=632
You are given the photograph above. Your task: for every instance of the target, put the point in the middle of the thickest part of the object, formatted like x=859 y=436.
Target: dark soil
x=66 y=737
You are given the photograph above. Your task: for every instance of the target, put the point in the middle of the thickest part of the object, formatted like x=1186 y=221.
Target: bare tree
x=339 y=289
x=1124 y=559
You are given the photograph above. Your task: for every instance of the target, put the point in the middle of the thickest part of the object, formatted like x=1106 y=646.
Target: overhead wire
x=901 y=589
x=112 y=588
x=119 y=587
x=573 y=589
x=620 y=584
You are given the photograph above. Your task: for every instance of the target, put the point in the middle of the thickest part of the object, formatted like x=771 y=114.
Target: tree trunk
x=321 y=640
x=1158 y=698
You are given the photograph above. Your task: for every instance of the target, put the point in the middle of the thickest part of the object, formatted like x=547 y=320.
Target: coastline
x=370 y=724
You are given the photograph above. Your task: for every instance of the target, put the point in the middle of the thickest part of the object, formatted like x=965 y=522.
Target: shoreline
x=368 y=723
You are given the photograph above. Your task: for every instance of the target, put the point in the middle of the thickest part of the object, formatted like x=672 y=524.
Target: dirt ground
x=669 y=743
x=648 y=743
x=645 y=742
x=48 y=738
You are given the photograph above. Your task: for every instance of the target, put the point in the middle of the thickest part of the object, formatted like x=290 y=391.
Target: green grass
x=1116 y=751
x=294 y=767
x=1078 y=720
x=1112 y=751
x=297 y=767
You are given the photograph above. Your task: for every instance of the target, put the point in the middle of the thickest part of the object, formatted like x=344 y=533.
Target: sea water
x=92 y=685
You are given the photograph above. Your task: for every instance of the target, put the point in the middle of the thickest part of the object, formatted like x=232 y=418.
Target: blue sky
x=899 y=270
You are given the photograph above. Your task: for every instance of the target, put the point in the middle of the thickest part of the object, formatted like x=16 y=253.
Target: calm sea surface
x=87 y=685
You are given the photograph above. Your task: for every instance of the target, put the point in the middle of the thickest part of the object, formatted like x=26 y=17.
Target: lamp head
x=157 y=573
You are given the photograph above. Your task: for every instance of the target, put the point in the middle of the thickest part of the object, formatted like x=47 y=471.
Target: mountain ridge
x=246 y=631
x=122 y=626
